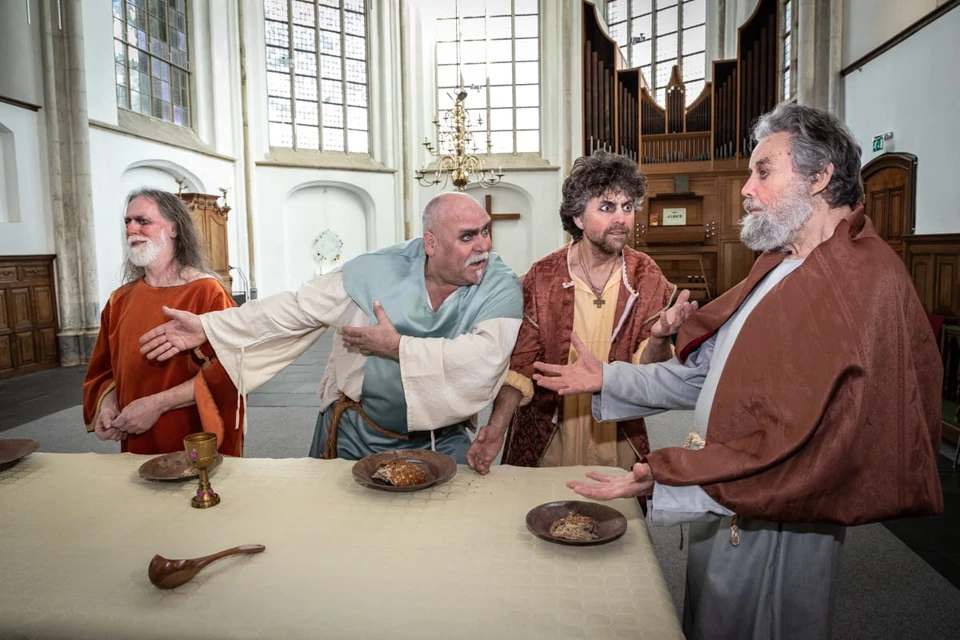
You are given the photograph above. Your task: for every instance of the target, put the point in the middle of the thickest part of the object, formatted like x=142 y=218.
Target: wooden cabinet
x=28 y=315
x=704 y=254
x=211 y=220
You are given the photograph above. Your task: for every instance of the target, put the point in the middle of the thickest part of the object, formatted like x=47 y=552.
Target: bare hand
x=183 y=332
x=380 y=339
x=583 y=376
x=638 y=482
x=108 y=411
x=138 y=416
x=485 y=448
x=671 y=319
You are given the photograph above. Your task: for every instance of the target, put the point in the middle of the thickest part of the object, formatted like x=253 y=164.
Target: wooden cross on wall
x=497 y=216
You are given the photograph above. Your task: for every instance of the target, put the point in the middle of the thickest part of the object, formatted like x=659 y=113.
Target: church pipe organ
x=694 y=156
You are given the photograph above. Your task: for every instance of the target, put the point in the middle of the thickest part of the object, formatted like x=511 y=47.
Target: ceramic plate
x=13 y=450
x=439 y=467
x=173 y=467
x=610 y=523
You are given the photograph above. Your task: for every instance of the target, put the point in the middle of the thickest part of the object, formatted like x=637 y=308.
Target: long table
x=77 y=532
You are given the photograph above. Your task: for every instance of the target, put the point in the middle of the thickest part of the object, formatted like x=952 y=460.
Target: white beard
x=146 y=253
x=779 y=223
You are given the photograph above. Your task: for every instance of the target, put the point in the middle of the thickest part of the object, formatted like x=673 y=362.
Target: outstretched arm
x=181 y=333
x=489 y=439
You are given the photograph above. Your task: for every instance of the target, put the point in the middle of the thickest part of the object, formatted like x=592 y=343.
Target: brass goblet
x=201 y=451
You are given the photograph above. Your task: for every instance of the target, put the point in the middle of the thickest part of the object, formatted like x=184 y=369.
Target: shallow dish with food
x=610 y=523
x=172 y=467
x=13 y=450
x=437 y=468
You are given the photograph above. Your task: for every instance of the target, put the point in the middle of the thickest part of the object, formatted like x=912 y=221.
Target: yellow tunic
x=579 y=439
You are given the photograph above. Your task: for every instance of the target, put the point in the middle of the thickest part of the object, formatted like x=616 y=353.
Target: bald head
x=445 y=204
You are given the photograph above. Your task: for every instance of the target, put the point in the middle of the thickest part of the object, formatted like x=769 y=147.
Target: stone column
x=68 y=147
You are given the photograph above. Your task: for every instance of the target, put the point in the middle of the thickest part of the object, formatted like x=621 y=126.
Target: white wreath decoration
x=327 y=246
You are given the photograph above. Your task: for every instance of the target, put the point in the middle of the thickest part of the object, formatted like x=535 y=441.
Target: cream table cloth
x=77 y=532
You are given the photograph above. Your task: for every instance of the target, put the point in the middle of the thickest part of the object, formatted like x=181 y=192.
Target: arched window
x=151 y=58
x=788 y=50
x=316 y=54
x=495 y=46
x=657 y=34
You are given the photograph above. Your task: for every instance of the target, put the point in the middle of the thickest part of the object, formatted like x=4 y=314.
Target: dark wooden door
x=889 y=196
x=28 y=315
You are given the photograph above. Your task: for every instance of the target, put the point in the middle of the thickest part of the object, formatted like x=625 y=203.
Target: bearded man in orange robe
x=149 y=406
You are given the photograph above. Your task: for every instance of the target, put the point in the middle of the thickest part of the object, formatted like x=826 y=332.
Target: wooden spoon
x=168 y=574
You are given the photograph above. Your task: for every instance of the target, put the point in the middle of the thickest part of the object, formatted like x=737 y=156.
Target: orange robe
x=132 y=310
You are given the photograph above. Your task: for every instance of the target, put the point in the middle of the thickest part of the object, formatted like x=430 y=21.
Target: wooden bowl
x=611 y=524
x=439 y=467
x=13 y=450
x=171 y=467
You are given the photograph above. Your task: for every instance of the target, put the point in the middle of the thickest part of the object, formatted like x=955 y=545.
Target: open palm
x=183 y=332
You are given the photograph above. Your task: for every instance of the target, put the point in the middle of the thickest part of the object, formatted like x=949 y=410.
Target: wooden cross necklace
x=598 y=301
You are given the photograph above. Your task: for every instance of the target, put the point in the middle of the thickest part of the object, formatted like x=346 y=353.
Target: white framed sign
x=674 y=216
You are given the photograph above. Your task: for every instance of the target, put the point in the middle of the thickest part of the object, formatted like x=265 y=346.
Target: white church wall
x=120 y=164
x=869 y=23
x=292 y=206
x=26 y=223
x=21 y=72
x=911 y=91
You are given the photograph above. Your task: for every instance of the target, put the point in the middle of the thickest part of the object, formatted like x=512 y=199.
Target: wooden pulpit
x=211 y=220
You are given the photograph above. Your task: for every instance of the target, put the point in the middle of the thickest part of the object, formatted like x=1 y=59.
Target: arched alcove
x=9 y=184
x=313 y=208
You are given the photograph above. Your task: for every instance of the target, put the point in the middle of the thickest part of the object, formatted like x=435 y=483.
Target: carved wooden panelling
x=20 y=311
x=6 y=355
x=28 y=315
x=43 y=299
x=934 y=265
x=47 y=343
x=26 y=354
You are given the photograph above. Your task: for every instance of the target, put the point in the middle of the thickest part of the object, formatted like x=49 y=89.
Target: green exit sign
x=878 y=143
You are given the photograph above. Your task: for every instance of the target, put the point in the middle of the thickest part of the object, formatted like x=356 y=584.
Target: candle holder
x=201 y=451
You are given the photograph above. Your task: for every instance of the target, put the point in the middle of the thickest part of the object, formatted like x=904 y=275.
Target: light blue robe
x=394 y=276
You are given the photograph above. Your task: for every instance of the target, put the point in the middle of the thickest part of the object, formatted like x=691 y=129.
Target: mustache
x=133 y=239
x=751 y=206
x=479 y=257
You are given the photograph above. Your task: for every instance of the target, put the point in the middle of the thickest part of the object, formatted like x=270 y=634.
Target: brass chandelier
x=456 y=151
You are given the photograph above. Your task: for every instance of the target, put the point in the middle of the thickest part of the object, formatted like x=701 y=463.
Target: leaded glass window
x=657 y=34
x=151 y=58
x=493 y=47
x=316 y=53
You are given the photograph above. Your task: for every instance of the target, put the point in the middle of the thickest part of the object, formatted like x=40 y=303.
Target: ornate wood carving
x=211 y=220
x=28 y=317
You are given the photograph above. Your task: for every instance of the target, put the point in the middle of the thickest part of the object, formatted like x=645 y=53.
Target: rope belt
x=344 y=403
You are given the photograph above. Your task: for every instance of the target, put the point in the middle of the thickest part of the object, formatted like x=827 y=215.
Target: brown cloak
x=545 y=337
x=828 y=408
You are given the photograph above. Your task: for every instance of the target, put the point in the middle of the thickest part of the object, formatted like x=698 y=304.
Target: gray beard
x=778 y=224
x=146 y=253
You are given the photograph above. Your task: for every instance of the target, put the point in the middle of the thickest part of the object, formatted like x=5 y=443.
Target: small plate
x=172 y=467
x=439 y=467
x=13 y=450
x=610 y=523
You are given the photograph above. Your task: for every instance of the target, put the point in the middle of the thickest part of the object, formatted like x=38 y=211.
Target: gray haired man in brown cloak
x=815 y=385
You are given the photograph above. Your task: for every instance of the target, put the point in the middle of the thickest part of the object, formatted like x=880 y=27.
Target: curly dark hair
x=593 y=176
